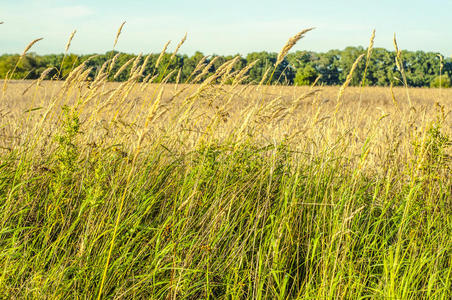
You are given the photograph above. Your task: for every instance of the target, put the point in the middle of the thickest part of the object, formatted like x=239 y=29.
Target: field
x=224 y=190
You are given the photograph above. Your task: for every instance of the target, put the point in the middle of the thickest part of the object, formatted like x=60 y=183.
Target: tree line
x=422 y=69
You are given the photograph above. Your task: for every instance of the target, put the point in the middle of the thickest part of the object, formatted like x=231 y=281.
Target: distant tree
x=347 y=59
x=328 y=66
x=266 y=61
x=299 y=68
x=283 y=73
x=122 y=59
x=68 y=64
x=189 y=65
x=25 y=68
x=306 y=75
x=441 y=81
x=381 y=69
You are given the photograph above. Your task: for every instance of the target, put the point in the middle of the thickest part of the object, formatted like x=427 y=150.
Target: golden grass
x=277 y=112
x=347 y=81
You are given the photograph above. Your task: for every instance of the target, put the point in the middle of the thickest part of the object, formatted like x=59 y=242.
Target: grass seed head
x=29 y=47
x=289 y=45
x=68 y=44
x=161 y=54
x=118 y=34
x=123 y=67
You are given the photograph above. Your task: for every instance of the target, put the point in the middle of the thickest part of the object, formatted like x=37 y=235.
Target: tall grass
x=141 y=190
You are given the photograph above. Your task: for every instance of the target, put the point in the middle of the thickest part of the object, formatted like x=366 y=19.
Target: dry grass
x=312 y=118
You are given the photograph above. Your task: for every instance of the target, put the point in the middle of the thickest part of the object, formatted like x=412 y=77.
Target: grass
x=215 y=190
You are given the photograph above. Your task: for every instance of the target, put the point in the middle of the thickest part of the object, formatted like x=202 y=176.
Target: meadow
x=223 y=190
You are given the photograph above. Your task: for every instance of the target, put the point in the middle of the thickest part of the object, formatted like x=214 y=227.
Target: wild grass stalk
x=11 y=73
x=368 y=56
x=401 y=68
x=285 y=50
x=346 y=83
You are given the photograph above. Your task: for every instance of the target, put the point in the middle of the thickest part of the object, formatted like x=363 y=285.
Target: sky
x=223 y=27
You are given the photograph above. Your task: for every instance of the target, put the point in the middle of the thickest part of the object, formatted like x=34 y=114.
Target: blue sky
x=223 y=27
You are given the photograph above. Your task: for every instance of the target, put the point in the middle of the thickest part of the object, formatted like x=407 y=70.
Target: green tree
x=441 y=81
x=306 y=75
x=347 y=59
x=381 y=69
x=25 y=68
x=328 y=66
x=189 y=65
x=283 y=73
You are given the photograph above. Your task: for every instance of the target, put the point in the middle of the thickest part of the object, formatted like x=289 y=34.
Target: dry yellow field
x=309 y=117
